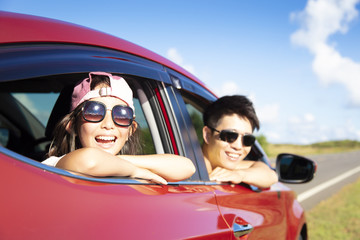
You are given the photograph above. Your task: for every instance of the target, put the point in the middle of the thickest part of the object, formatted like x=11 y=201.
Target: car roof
x=23 y=28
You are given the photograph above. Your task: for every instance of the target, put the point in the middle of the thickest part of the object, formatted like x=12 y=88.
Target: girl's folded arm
x=98 y=163
x=169 y=166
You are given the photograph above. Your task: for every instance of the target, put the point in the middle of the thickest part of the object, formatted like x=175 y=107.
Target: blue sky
x=298 y=60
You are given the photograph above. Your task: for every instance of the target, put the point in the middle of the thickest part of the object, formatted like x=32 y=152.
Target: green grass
x=337 y=217
x=312 y=149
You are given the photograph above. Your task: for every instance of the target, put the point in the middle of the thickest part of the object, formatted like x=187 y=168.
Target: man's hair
x=228 y=105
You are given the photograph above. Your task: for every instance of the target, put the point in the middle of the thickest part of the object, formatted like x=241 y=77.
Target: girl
x=100 y=127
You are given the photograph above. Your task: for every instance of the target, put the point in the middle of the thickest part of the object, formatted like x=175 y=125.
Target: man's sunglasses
x=231 y=136
x=94 y=111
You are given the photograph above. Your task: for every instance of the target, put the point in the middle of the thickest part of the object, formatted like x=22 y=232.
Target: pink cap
x=118 y=88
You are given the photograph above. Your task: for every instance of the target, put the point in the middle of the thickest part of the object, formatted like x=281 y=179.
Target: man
x=228 y=126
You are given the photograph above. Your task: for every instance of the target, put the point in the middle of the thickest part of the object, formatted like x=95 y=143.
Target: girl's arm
x=169 y=166
x=98 y=163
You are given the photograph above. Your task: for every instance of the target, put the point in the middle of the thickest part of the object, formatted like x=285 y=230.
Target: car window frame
x=190 y=144
x=116 y=62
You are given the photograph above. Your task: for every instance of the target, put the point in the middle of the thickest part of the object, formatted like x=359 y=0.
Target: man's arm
x=251 y=172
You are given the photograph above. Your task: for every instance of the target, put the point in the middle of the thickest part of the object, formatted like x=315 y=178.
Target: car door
x=40 y=203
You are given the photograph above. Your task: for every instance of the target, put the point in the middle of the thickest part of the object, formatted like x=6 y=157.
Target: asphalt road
x=334 y=171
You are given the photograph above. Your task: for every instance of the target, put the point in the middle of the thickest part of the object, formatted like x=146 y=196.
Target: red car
x=39 y=60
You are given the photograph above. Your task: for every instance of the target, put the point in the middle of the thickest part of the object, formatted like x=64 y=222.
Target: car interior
x=21 y=130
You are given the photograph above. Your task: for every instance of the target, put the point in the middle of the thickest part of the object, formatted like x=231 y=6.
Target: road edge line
x=305 y=195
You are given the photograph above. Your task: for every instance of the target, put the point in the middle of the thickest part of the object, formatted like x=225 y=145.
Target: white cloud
x=232 y=88
x=308 y=117
x=294 y=120
x=305 y=129
x=320 y=20
x=229 y=88
x=273 y=136
x=268 y=113
x=175 y=56
x=305 y=121
x=302 y=129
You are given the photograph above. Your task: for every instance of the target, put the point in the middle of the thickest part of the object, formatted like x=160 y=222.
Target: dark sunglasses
x=93 y=111
x=231 y=136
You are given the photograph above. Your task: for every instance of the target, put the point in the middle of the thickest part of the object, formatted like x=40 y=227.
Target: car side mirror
x=294 y=169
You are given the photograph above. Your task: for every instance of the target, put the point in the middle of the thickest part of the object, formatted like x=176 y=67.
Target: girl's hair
x=67 y=140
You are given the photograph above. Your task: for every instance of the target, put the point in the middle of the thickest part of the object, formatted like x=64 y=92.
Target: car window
x=24 y=117
x=146 y=138
x=5 y=127
x=26 y=112
x=39 y=104
x=196 y=114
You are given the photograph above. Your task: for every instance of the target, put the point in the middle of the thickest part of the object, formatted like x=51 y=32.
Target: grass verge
x=273 y=150
x=337 y=217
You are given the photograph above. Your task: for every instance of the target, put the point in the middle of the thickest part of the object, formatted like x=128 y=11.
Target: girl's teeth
x=106 y=138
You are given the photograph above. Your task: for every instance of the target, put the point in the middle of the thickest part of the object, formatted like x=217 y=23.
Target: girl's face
x=224 y=154
x=105 y=135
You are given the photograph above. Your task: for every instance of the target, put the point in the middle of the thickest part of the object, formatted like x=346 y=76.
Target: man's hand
x=224 y=175
x=257 y=174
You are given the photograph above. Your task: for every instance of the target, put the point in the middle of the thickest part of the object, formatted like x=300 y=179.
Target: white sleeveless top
x=52 y=161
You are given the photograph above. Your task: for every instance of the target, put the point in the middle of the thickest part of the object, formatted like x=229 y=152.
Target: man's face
x=224 y=154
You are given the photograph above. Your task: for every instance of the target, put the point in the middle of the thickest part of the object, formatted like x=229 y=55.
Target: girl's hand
x=148 y=175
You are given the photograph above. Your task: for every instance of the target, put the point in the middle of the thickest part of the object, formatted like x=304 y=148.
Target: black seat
x=60 y=109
